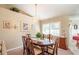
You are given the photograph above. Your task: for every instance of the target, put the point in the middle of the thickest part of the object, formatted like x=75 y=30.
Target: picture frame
x=10 y=25
x=24 y=26
x=6 y=25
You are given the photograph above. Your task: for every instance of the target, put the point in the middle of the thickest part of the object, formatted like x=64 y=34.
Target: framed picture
x=6 y=24
x=25 y=26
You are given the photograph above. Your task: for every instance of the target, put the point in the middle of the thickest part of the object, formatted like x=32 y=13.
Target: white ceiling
x=45 y=11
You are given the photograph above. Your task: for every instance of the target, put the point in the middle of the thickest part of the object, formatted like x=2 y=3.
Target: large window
x=51 y=28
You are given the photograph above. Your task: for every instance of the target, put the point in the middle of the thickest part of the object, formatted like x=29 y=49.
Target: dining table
x=44 y=44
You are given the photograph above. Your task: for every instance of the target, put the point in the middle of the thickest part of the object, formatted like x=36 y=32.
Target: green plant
x=38 y=35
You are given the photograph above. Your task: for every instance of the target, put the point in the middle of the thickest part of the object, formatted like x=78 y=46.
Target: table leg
x=42 y=48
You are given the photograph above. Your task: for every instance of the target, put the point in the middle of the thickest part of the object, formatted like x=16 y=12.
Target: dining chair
x=30 y=50
x=28 y=35
x=43 y=36
x=24 y=42
x=54 y=47
x=49 y=36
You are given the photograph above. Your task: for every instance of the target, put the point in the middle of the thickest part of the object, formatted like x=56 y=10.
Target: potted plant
x=38 y=35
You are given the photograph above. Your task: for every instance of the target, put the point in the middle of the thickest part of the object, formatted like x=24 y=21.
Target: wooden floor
x=19 y=51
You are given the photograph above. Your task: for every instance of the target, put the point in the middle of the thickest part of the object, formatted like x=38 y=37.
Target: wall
x=62 y=19
x=13 y=37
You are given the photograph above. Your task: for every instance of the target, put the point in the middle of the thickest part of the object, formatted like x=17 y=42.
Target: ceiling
x=45 y=11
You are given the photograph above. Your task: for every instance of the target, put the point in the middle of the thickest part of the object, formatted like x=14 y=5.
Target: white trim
x=14 y=48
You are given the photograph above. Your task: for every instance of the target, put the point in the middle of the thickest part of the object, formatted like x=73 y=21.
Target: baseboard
x=70 y=51
x=14 y=48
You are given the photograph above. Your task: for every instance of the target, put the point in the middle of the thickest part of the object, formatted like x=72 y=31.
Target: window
x=51 y=28
x=45 y=29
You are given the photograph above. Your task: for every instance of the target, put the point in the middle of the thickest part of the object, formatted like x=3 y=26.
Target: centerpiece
x=38 y=35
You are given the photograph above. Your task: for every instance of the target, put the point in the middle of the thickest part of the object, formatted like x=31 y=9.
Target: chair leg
x=53 y=51
x=56 y=52
x=23 y=51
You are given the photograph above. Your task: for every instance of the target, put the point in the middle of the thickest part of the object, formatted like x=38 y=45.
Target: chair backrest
x=28 y=35
x=30 y=48
x=50 y=36
x=43 y=36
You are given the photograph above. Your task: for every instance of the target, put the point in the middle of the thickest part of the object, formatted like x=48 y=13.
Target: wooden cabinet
x=62 y=43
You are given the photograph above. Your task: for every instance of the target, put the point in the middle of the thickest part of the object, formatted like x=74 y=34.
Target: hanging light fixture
x=35 y=10
x=33 y=26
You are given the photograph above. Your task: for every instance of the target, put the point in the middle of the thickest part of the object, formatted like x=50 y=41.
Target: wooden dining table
x=44 y=43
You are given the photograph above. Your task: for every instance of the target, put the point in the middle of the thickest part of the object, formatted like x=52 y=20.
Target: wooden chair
x=30 y=47
x=24 y=42
x=28 y=35
x=54 y=47
x=49 y=36
x=43 y=36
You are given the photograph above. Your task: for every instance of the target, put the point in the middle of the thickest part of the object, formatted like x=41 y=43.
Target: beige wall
x=13 y=37
x=64 y=20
